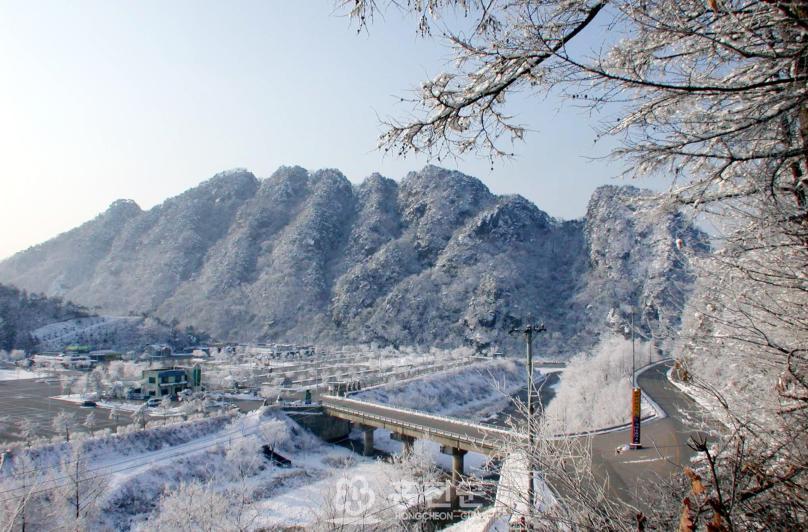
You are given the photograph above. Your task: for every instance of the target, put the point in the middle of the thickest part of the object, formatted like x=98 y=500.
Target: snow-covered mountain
x=435 y=259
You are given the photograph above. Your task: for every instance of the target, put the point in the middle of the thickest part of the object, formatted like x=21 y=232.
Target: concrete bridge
x=455 y=437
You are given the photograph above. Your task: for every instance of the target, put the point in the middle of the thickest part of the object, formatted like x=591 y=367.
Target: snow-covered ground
x=485 y=521
x=144 y=472
x=233 y=396
x=177 y=409
x=56 y=335
x=470 y=392
x=123 y=406
x=19 y=373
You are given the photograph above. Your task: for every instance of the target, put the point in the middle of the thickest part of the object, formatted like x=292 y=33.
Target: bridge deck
x=446 y=431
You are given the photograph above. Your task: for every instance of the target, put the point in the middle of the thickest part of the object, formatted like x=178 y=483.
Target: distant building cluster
x=63 y=361
x=268 y=352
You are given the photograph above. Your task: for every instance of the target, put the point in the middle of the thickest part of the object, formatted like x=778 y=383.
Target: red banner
x=635 y=416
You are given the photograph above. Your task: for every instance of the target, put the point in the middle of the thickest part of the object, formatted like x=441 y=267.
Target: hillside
x=435 y=259
x=114 y=332
x=21 y=313
x=35 y=322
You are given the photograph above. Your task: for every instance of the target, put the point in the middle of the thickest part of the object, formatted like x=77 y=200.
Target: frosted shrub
x=243 y=458
x=194 y=506
x=595 y=390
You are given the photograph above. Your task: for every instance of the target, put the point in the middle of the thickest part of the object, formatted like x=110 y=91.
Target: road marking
x=640 y=461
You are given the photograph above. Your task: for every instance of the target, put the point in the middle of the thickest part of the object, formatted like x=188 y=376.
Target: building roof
x=161 y=370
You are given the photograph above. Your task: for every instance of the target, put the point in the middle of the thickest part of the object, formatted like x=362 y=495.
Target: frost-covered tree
x=743 y=348
x=413 y=482
x=23 y=505
x=195 y=507
x=63 y=423
x=95 y=380
x=141 y=416
x=708 y=90
x=78 y=497
x=27 y=430
x=712 y=95
x=114 y=413
x=117 y=370
x=595 y=388
x=90 y=422
x=243 y=458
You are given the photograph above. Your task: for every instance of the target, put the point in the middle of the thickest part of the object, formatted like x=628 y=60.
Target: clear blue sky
x=102 y=100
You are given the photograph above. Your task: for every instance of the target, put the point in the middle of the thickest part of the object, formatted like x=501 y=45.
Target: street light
x=529 y=330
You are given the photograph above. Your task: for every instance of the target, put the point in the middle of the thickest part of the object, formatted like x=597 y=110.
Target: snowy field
x=137 y=480
x=122 y=406
x=19 y=373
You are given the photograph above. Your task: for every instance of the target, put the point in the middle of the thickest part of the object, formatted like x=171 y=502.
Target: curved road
x=665 y=451
x=631 y=474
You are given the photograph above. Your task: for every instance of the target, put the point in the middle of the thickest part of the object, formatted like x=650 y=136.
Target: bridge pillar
x=367 y=440
x=457 y=464
x=409 y=443
x=457 y=471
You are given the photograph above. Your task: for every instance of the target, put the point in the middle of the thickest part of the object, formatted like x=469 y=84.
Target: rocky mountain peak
x=511 y=218
x=376 y=183
x=459 y=192
x=435 y=259
x=124 y=207
x=235 y=183
x=435 y=202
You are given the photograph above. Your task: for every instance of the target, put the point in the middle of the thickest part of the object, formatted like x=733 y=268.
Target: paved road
x=30 y=399
x=665 y=450
x=664 y=454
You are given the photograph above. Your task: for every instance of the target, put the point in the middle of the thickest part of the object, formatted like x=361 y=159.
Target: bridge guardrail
x=483 y=426
x=465 y=437
x=478 y=426
x=425 y=429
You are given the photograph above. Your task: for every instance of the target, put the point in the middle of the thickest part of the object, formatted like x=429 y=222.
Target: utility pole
x=633 y=363
x=529 y=330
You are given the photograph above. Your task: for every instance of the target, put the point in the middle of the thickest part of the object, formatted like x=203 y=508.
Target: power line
x=108 y=472
x=55 y=466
